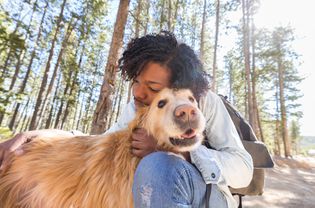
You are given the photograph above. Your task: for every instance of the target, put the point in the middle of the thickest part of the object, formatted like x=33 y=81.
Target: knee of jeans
x=156 y=161
x=160 y=165
x=171 y=175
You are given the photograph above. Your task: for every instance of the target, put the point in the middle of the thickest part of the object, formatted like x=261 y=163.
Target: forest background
x=57 y=56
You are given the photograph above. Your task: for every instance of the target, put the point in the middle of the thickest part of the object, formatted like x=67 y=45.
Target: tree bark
x=80 y=113
x=202 y=35
x=137 y=19
x=105 y=100
x=162 y=15
x=256 y=119
x=284 y=128
x=175 y=16
x=60 y=110
x=245 y=9
x=277 y=149
x=49 y=119
x=70 y=100
x=169 y=18
x=119 y=101
x=147 y=17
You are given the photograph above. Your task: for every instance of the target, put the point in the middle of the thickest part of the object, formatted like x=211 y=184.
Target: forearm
x=231 y=166
x=47 y=133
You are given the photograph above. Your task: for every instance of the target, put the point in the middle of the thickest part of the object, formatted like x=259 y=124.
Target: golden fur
x=84 y=171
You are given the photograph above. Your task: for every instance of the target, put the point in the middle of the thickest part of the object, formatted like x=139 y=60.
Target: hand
x=14 y=145
x=142 y=144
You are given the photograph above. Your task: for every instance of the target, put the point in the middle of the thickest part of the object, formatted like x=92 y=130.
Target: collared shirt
x=228 y=164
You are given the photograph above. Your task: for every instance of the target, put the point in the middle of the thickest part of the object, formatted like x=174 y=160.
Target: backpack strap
x=208 y=193
x=240 y=201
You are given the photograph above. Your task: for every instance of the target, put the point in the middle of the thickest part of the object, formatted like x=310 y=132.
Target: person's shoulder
x=208 y=98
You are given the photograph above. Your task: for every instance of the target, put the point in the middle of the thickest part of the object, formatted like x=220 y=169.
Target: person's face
x=152 y=79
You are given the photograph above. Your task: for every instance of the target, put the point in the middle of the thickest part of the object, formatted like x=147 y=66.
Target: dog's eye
x=191 y=99
x=162 y=103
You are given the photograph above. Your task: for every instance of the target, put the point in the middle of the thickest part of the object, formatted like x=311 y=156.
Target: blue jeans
x=163 y=180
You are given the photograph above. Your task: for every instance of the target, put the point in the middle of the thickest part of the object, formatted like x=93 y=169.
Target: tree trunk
x=70 y=100
x=49 y=119
x=169 y=19
x=284 y=129
x=23 y=116
x=175 y=16
x=5 y=66
x=105 y=100
x=162 y=15
x=137 y=19
x=114 y=105
x=60 y=110
x=80 y=113
x=246 y=46
x=216 y=37
x=277 y=149
x=76 y=111
x=202 y=35
x=147 y=17
x=119 y=101
x=256 y=119
x=46 y=72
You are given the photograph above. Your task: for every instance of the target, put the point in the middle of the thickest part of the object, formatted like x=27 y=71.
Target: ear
x=140 y=119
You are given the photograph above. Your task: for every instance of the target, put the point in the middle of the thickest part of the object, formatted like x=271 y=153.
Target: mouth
x=138 y=103
x=189 y=138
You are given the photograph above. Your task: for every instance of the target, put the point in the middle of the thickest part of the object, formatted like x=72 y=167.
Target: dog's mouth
x=189 y=138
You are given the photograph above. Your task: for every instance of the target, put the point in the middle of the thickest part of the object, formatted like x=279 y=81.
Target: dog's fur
x=94 y=171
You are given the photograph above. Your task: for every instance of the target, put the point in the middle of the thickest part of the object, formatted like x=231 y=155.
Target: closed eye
x=155 y=90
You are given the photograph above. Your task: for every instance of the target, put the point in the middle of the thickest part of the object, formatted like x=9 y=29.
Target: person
x=153 y=62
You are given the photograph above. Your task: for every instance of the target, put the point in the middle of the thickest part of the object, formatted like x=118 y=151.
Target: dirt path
x=290 y=184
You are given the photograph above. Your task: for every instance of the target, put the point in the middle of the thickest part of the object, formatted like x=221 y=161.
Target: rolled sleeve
x=206 y=164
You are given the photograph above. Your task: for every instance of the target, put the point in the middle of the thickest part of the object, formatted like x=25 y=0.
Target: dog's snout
x=185 y=113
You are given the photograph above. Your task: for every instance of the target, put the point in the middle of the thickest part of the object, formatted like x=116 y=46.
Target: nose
x=139 y=93
x=185 y=113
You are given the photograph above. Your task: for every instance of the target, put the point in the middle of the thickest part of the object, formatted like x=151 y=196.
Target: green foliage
x=5 y=133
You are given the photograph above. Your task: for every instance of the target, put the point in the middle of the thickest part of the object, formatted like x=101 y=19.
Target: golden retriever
x=98 y=171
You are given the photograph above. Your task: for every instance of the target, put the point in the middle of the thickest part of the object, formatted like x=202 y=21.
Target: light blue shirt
x=229 y=164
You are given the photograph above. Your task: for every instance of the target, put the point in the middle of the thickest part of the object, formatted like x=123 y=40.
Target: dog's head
x=174 y=119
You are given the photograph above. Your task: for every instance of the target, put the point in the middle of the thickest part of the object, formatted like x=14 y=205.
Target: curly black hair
x=163 y=48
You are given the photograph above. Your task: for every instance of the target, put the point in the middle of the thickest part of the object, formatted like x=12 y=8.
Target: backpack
x=257 y=149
